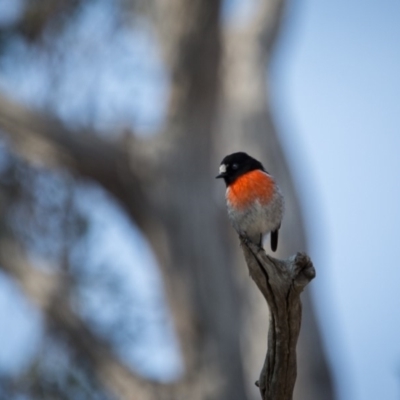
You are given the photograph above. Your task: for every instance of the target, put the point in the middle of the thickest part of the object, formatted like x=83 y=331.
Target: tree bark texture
x=281 y=283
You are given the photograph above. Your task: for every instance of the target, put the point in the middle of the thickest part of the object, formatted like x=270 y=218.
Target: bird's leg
x=260 y=242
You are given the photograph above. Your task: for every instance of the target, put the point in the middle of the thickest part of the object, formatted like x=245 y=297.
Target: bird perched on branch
x=254 y=201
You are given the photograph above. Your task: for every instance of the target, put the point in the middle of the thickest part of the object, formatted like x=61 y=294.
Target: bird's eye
x=235 y=166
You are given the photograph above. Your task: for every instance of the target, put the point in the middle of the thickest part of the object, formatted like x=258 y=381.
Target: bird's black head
x=237 y=164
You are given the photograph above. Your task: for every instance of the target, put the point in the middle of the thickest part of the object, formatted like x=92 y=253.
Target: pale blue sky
x=336 y=87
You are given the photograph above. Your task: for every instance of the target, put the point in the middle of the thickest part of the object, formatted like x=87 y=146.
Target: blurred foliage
x=94 y=64
x=42 y=14
x=48 y=213
x=43 y=209
x=54 y=374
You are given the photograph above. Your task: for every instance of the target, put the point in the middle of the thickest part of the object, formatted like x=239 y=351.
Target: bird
x=254 y=201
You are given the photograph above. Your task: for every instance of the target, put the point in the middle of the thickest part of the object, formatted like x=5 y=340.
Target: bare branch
x=281 y=283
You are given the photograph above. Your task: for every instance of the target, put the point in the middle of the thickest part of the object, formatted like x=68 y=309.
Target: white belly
x=257 y=220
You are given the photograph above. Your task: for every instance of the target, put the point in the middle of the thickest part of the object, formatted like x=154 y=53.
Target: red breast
x=249 y=187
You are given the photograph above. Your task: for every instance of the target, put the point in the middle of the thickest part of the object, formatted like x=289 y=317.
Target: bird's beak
x=222 y=171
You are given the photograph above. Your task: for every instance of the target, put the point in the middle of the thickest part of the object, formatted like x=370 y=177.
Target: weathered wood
x=280 y=282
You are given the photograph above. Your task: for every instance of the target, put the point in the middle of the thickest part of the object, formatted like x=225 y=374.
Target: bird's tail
x=274 y=239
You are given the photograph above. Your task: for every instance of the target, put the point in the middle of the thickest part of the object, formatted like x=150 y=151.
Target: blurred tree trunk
x=218 y=104
x=200 y=267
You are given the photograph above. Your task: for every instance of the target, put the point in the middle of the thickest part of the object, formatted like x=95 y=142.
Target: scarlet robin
x=254 y=201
